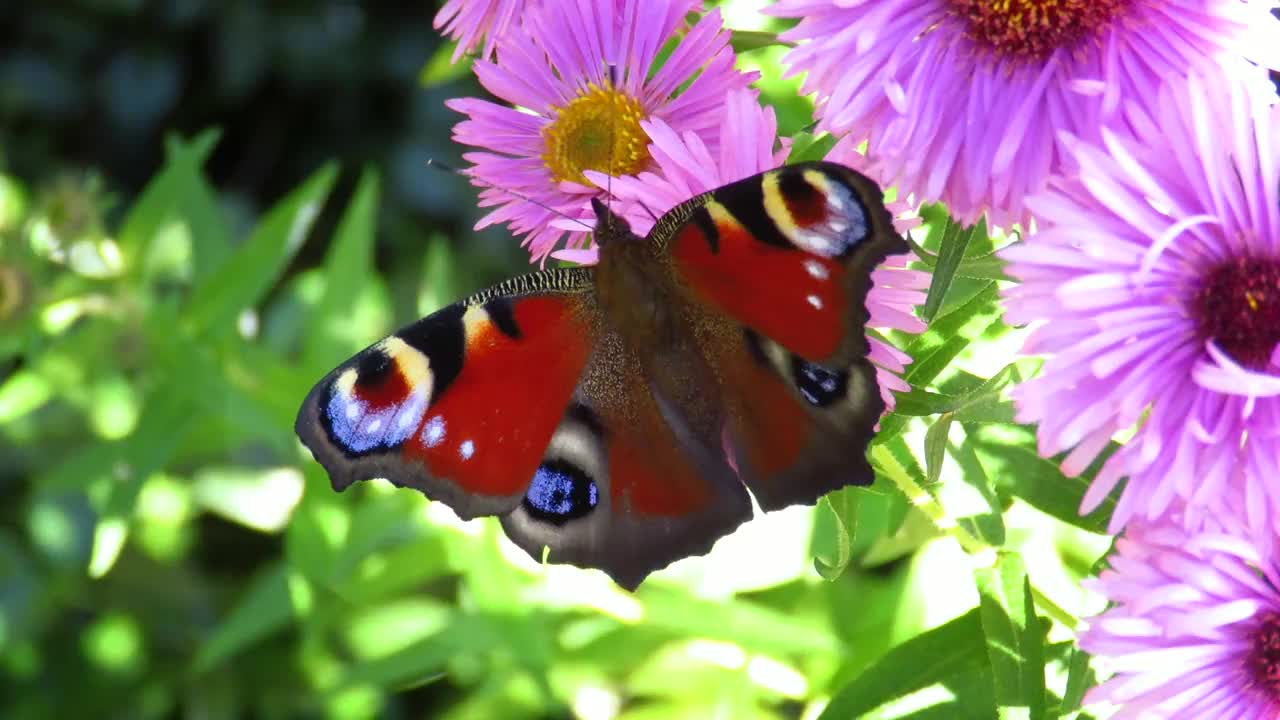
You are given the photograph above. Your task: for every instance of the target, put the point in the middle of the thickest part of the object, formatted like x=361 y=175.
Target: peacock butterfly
x=618 y=414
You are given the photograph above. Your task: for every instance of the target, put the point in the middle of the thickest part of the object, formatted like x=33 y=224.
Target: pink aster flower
x=470 y=21
x=584 y=74
x=961 y=100
x=746 y=143
x=1194 y=626
x=1155 y=287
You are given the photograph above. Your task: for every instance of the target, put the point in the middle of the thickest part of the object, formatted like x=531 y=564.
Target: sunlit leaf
x=162 y=196
x=250 y=271
x=346 y=270
x=1014 y=638
x=1014 y=465
x=940 y=664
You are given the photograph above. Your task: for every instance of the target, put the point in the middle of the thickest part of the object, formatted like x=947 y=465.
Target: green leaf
x=835 y=525
x=441 y=68
x=156 y=204
x=1015 y=640
x=347 y=268
x=1080 y=677
x=1015 y=467
x=983 y=403
x=809 y=147
x=935 y=448
x=947 y=655
x=748 y=40
x=950 y=334
x=255 y=266
x=988 y=526
x=264 y=608
x=955 y=240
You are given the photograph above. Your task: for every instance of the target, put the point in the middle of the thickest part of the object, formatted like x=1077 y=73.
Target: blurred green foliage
x=168 y=549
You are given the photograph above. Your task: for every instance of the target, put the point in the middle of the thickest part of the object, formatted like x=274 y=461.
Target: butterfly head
x=610 y=227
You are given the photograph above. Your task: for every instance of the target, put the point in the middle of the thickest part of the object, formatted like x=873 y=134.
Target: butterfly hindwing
x=789 y=254
x=463 y=403
x=797 y=430
x=632 y=480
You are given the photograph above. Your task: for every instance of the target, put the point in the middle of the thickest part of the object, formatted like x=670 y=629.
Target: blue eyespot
x=819 y=385
x=357 y=428
x=560 y=492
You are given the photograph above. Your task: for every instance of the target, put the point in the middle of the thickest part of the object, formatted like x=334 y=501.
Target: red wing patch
x=793 y=297
x=488 y=429
x=769 y=426
x=788 y=253
x=648 y=471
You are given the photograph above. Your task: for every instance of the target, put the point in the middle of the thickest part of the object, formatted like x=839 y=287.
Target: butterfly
x=617 y=415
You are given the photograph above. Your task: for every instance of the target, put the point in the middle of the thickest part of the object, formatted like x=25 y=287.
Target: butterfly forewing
x=785 y=258
x=789 y=254
x=461 y=404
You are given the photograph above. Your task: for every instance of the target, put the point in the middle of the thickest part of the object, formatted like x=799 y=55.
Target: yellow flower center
x=598 y=130
x=1033 y=29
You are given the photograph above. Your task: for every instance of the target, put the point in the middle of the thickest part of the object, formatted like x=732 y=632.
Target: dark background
x=98 y=83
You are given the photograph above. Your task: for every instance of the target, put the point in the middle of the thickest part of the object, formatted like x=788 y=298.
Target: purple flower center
x=598 y=130
x=1264 y=660
x=1033 y=29
x=1238 y=306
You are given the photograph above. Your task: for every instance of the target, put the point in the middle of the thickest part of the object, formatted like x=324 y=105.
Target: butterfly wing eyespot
x=379 y=401
x=789 y=254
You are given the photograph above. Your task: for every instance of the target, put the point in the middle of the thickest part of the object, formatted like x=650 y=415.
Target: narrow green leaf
x=1015 y=467
x=347 y=267
x=160 y=197
x=941 y=656
x=983 y=403
x=748 y=40
x=935 y=448
x=1014 y=638
x=441 y=68
x=988 y=526
x=1080 y=677
x=253 y=269
x=955 y=241
x=810 y=147
x=950 y=334
x=439 y=285
x=975 y=267
x=264 y=608
x=201 y=211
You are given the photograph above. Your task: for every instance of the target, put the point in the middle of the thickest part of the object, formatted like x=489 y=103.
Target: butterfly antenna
x=613 y=134
x=481 y=182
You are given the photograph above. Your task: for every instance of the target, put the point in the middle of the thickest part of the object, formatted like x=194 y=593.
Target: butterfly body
x=613 y=414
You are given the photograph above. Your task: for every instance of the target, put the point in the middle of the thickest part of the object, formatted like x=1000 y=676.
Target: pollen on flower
x=1238 y=306
x=1033 y=29
x=598 y=130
